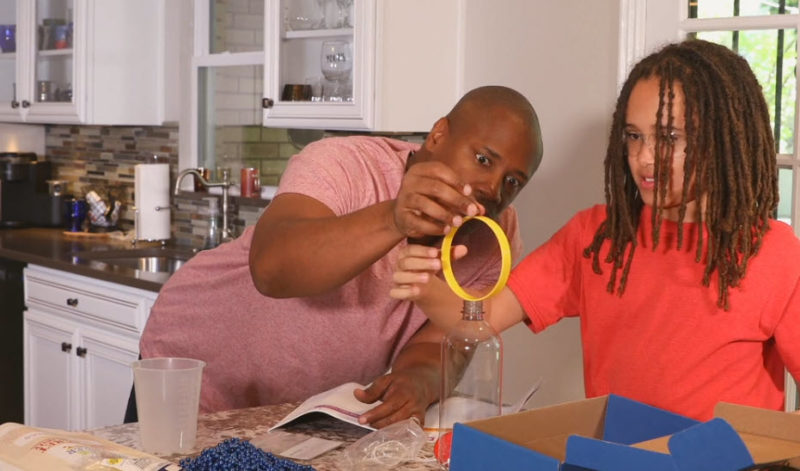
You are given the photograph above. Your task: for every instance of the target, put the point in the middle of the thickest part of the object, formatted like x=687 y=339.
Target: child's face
x=639 y=135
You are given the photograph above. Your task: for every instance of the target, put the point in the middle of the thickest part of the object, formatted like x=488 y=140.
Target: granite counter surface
x=248 y=423
x=53 y=248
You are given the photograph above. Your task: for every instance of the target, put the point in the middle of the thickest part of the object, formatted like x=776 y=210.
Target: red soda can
x=250 y=183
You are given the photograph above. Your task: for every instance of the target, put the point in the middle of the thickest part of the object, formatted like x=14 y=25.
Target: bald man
x=300 y=302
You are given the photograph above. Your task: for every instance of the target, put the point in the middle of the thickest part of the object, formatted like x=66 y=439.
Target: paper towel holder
x=152 y=211
x=136 y=226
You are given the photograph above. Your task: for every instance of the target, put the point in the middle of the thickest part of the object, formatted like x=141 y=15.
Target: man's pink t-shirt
x=664 y=341
x=262 y=350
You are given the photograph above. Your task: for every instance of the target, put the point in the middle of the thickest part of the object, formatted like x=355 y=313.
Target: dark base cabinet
x=11 y=307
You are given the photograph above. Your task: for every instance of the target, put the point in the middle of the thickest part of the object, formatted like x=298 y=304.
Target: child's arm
x=415 y=280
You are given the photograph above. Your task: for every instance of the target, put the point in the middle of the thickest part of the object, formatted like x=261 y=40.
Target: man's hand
x=431 y=200
x=411 y=387
x=403 y=394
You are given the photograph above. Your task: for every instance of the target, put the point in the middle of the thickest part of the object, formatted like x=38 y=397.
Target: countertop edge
x=60 y=260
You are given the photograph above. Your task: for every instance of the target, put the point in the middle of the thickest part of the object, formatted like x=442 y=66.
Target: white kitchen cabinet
x=89 y=62
x=80 y=337
x=407 y=65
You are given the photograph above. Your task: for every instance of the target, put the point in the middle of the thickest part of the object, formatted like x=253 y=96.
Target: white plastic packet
x=385 y=448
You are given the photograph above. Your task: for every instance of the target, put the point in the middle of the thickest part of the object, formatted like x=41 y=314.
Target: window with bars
x=772 y=53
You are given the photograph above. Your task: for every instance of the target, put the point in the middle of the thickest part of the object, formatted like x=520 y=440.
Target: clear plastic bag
x=385 y=448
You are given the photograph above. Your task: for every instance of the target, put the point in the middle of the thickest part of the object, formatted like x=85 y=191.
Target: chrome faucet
x=224 y=184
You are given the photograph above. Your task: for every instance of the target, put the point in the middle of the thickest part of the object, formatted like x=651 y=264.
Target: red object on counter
x=441 y=449
x=250 y=182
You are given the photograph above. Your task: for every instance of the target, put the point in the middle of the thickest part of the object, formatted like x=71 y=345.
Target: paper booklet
x=25 y=448
x=340 y=403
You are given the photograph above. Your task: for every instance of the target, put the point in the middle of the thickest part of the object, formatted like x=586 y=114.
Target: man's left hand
x=404 y=394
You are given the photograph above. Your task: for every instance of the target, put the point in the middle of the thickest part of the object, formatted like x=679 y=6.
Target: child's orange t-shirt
x=665 y=342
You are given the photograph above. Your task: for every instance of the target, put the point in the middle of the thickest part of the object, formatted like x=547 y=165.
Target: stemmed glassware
x=336 y=61
x=336 y=12
x=344 y=13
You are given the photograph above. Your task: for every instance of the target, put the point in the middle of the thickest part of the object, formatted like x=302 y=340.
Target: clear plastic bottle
x=214 y=234
x=472 y=375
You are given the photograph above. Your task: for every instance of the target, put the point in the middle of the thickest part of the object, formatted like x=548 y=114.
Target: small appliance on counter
x=26 y=197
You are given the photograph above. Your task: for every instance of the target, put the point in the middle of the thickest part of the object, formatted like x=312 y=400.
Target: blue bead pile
x=235 y=454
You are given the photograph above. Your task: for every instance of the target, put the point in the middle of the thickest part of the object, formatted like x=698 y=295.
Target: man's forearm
x=309 y=256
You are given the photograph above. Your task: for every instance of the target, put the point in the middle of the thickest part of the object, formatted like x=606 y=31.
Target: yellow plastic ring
x=505 y=267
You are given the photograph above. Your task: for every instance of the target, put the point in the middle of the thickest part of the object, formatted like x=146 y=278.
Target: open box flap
x=756 y=421
x=710 y=446
x=473 y=449
x=533 y=439
x=600 y=455
x=769 y=435
x=629 y=421
x=545 y=430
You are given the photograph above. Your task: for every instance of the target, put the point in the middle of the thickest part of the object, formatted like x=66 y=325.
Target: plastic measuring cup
x=167 y=401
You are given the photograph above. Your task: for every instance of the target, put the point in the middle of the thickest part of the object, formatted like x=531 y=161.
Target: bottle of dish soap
x=214 y=233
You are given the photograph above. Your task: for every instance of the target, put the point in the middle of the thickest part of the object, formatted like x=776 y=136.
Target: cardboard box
x=601 y=429
x=739 y=437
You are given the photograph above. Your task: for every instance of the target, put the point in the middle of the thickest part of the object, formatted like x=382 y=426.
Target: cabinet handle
x=81 y=352
x=267 y=102
x=72 y=302
x=26 y=103
x=14 y=104
x=66 y=347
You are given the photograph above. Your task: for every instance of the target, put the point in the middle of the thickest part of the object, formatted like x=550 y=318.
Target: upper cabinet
x=375 y=65
x=110 y=62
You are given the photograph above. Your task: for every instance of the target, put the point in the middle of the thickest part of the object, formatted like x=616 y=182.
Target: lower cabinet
x=80 y=337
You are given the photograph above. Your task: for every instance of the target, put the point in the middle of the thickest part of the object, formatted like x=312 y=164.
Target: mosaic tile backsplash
x=102 y=159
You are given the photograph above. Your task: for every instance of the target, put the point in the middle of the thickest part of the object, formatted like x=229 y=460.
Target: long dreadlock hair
x=730 y=152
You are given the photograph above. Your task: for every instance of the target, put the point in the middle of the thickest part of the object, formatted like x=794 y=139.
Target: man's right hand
x=432 y=200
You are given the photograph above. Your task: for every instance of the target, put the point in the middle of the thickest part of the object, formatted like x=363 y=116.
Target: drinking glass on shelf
x=332 y=14
x=337 y=64
x=344 y=13
x=8 y=38
x=303 y=15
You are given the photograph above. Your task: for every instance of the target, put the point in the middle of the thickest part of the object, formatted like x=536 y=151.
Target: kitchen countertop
x=246 y=424
x=55 y=249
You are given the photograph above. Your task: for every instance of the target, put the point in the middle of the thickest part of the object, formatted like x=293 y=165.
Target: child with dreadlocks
x=686 y=287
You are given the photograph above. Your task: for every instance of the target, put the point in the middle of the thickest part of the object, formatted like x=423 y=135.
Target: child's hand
x=416 y=267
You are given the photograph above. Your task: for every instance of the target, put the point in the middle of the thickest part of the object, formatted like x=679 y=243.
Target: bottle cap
x=505 y=256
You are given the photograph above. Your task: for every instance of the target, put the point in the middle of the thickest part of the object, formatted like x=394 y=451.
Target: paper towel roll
x=151 y=197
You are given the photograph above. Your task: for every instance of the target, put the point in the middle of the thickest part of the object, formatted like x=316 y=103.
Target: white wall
x=22 y=138
x=570 y=50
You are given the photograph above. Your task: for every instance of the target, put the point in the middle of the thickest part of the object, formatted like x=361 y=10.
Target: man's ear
x=439 y=132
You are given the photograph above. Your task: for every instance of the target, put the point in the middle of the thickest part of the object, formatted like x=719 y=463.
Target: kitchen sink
x=145 y=259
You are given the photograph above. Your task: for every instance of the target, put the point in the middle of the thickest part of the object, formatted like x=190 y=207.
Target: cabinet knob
x=81 y=352
x=66 y=347
x=267 y=102
x=26 y=103
x=72 y=302
x=14 y=104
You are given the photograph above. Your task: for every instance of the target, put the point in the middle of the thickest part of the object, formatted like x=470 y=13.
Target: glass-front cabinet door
x=319 y=63
x=37 y=62
x=9 y=17
x=52 y=74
